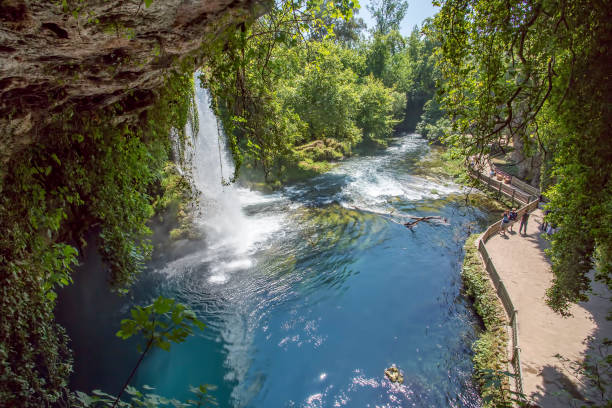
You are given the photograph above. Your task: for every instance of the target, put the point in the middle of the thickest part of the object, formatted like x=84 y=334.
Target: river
x=308 y=293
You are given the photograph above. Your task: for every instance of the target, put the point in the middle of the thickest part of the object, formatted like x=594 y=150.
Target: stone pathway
x=551 y=345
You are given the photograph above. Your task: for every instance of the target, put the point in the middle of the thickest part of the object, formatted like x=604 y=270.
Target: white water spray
x=229 y=234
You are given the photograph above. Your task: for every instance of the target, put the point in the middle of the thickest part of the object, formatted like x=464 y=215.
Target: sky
x=418 y=10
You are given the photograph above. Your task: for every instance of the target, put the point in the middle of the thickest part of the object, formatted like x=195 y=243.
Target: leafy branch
x=160 y=323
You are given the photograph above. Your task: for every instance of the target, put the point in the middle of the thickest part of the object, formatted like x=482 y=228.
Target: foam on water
x=375 y=182
x=228 y=232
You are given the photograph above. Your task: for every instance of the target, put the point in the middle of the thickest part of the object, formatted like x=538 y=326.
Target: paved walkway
x=550 y=344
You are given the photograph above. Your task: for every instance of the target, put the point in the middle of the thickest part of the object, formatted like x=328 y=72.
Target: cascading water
x=221 y=217
x=229 y=235
x=309 y=293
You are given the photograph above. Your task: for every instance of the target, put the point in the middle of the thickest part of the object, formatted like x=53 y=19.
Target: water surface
x=308 y=293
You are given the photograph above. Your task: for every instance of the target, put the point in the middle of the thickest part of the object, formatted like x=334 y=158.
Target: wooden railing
x=524 y=186
x=520 y=184
x=514 y=192
x=500 y=287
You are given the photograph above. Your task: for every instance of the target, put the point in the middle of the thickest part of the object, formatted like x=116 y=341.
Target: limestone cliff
x=528 y=165
x=87 y=54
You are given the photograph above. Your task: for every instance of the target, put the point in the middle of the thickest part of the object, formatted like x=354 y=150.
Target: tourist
x=524 y=219
x=512 y=217
x=504 y=223
x=544 y=225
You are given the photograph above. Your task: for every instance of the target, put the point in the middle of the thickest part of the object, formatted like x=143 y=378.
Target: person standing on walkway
x=504 y=223
x=524 y=219
x=513 y=218
x=544 y=225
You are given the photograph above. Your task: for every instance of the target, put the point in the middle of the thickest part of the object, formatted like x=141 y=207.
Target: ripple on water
x=310 y=293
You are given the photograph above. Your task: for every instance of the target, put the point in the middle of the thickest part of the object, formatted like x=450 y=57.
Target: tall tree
x=539 y=70
x=388 y=14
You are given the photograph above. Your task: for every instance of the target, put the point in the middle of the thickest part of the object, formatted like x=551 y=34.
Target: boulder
x=394 y=375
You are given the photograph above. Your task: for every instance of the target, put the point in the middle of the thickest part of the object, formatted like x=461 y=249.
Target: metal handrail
x=531 y=201
x=504 y=296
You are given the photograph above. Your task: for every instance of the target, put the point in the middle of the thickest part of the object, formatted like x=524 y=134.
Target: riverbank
x=490 y=357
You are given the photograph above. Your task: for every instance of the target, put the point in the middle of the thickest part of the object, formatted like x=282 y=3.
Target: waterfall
x=229 y=234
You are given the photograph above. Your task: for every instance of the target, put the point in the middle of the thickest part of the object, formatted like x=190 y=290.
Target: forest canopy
x=299 y=87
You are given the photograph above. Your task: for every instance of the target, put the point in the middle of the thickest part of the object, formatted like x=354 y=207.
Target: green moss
x=176 y=203
x=490 y=355
x=441 y=163
x=377 y=143
x=322 y=150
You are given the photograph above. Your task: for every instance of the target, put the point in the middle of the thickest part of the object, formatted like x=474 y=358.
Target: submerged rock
x=394 y=375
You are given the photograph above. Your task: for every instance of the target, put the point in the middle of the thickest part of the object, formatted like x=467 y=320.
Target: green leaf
x=56 y=159
x=85 y=399
x=164 y=345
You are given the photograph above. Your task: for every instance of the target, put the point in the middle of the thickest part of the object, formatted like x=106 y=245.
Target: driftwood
x=411 y=224
x=408 y=224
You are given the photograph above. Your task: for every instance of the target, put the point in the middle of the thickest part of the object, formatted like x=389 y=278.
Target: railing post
x=513 y=191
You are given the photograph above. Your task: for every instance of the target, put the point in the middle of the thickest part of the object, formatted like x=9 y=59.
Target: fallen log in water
x=411 y=224
x=408 y=224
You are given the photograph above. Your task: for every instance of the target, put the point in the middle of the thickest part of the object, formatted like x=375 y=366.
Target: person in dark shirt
x=544 y=225
x=524 y=219
x=513 y=217
x=504 y=223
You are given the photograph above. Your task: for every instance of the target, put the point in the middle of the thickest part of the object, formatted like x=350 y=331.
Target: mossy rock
x=394 y=375
x=176 y=203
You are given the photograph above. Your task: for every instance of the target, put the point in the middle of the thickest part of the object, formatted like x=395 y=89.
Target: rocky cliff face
x=528 y=166
x=87 y=54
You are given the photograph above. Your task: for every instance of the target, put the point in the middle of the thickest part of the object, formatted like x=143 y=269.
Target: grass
x=505 y=163
x=490 y=355
x=440 y=163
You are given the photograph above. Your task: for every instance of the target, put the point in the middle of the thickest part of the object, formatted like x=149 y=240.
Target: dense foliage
x=388 y=14
x=538 y=72
x=294 y=94
x=90 y=171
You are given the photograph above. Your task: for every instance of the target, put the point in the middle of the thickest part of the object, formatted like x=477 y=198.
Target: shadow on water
x=92 y=315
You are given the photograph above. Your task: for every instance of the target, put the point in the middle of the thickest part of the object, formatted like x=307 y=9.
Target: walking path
x=551 y=345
